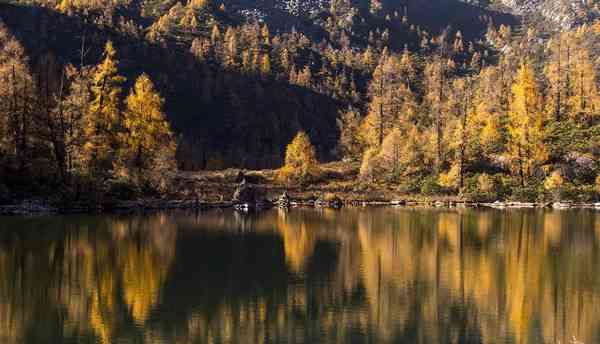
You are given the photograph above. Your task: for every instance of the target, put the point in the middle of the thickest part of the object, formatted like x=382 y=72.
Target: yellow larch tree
x=526 y=124
x=300 y=158
x=387 y=93
x=584 y=100
x=102 y=120
x=556 y=73
x=146 y=143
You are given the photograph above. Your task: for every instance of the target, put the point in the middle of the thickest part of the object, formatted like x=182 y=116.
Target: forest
x=114 y=98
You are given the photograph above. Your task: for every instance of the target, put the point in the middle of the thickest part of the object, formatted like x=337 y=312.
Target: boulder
x=244 y=193
x=329 y=202
x=284 y=200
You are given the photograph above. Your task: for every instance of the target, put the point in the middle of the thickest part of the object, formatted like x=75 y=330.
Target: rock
x=28 y=208
x=561 y=205
x=329 y=202
x=244 y=193
x=284 y=200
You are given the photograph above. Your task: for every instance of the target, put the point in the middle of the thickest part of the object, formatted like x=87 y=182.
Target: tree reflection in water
x=386 y=275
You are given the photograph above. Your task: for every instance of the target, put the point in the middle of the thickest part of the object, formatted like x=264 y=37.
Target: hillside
x=419 y=91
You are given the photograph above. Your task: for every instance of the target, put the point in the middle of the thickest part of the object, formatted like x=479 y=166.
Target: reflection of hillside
x=415 y=276
x=100 y=272
x=476 y=277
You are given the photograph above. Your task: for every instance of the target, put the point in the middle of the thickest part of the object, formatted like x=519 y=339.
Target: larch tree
x=300 y=158
x=390 y=154
x=490 y=118
x=555 y=70
x=584 y=98
x=526 y=124
x=16 y=99
x=231 y=48
x=101 y=123
x=460 y=109
x=146 y=143
x=386 y=102
x=75 y=108
x=350 y=145
x=435 y=95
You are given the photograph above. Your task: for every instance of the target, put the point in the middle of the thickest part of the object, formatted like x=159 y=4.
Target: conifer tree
x=16 y=100
x=435 y=93
x=146 y=143
x=526 y=124
x=102 y=121
x=300 y=158
x=349 y=126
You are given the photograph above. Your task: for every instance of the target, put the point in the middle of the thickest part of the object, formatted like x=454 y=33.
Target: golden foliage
x=300 y=158
x=526 y=123
x=554 y=181
x=101 y=121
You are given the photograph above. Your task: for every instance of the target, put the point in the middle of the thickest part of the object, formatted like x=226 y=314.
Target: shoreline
x=37 y=207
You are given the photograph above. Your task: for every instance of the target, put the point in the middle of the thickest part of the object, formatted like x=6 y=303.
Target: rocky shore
x=248 y=197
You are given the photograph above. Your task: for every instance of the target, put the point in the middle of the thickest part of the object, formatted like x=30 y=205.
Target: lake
x=303 y=276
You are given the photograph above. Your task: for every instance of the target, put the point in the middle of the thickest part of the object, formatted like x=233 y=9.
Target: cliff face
x=564 y=13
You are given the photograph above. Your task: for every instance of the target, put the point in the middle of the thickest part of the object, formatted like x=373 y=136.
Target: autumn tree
x=526 y=124
x=584 y=100
x=386 y=101
x=556 y=71
x=435 y=95
x=16 y=100
x=101 y=123
x=74 y=110
x=146 y=145
x=350 y=145
x=300 y=158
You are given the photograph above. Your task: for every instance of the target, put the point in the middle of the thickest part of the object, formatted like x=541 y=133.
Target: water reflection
x=356 y=275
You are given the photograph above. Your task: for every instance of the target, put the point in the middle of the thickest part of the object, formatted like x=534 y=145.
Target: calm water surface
x=304 y=276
